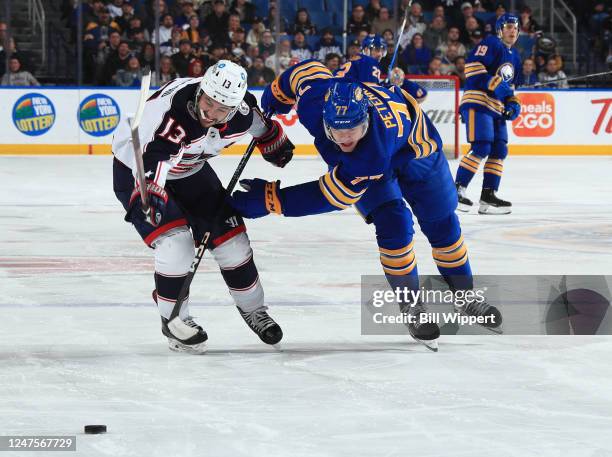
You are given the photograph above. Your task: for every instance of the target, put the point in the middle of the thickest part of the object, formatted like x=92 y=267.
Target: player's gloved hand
x=270 y=104
x=274 y=145
x=260 y=199
x=501 y=89
x=512 y=108
x=396 y=77
x=157 y=197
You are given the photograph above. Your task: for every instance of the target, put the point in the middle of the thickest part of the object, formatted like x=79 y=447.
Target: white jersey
x=174 y=143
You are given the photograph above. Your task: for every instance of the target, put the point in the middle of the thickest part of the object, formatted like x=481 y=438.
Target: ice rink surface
x=80 y=340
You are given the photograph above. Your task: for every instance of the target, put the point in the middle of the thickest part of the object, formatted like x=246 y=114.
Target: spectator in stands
x=527 y=24
x=217 y=52
x=258 y=75
x=389 y=38
x=448 y=59
x=267 y=47
x=416 y=55
x=476 y=38
x=438 y=11
x=415 y=24
x=115 y=8
x=127 y=13
x=452 y=38
x=108 y=47
x=553 y=73
x=470 y=26
x=303 y=24
x=373 y=10
x=166 y=72
x=282 y=56
x=16 y=76
x=192 y=30
x=353 y=50
x=299 y=47
x=332 y=61
x=147 y=55
x=180 y=60
x=130 y=76
x=239 y=41
x=434 y=66
x=478 y=7
x=327 y=45
x=98 y=30
x=489 y=28
x=217 y=22
x=165 y=29
x=358 y=21
x=527 y=76
x=467 y=11
x=187 y=11
x=436 y=33
x=3 y=53
x=255 y=35
x=172 y=47
x=195 y=68
x=115 y=62
x=245 y=10
x=383 y=21
x=600 y=32
x=271 y=21
x=459 y=70
x=135 y=27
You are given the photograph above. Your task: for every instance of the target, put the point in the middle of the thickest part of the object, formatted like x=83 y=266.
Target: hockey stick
x=176 y=325
x=134 y=123
x=573 y=78
x=397 y=42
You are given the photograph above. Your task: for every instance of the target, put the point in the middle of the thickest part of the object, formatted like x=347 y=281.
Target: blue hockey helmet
x=346 y=107
x=506 y=18
x=374 y=42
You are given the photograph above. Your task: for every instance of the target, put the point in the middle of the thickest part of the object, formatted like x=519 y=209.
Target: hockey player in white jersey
x=186 y=122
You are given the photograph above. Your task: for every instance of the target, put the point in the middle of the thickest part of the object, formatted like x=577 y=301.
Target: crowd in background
x=119 y=39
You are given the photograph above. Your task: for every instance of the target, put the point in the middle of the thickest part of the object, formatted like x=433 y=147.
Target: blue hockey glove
x=512 y=108
x=270 y=104
x=260 y=199
x=500 y=88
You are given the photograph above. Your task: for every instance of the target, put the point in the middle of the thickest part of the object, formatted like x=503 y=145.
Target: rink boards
x=82 y=121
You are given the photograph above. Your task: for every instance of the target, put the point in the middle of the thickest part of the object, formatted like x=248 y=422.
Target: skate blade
x=432 y=345
x=195 y=349
x=463 y=207
x=488 y=209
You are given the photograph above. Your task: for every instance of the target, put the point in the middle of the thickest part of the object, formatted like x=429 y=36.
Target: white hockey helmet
x=226 y=83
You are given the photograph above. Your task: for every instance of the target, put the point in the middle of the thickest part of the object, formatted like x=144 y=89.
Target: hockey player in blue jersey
x=368 y=135
x=488 y=102
x=366 y=68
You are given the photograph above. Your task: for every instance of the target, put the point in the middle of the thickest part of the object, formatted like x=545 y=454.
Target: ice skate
x=492 y=316
x=491 y=204
x=263 y=325
x=464 y=203
x=195 y=344
x=425 y=333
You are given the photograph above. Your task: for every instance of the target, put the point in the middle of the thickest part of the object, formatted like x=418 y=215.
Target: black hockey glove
x=157 y=197
x=512 y=108
x=274 y=145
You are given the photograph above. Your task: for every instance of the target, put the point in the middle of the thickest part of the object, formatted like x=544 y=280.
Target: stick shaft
x=399 y=37
x=573 y=78
x=135 y=122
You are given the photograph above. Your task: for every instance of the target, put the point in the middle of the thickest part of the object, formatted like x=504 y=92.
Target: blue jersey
x=366 y=69
x=487 y=65
x=398 y=131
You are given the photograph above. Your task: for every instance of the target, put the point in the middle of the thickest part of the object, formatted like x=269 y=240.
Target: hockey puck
x=95 y=429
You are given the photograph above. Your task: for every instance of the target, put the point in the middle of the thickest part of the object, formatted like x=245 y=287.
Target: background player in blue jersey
x=488 y=102
x=365 y=67
x=367 y=135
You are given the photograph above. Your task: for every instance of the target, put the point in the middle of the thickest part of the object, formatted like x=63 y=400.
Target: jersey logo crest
x=191 y=109
x=243 y=108
x=506 y=71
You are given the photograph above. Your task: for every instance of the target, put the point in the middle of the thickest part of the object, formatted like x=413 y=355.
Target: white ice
x=80 y=340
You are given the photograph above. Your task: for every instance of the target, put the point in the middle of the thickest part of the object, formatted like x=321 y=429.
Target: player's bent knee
x=481 y=148
x=174 y=252
x=500 y=150
x=233 y=252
